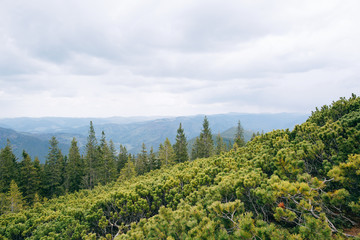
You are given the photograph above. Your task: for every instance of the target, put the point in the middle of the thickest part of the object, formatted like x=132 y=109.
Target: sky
x=90 y=58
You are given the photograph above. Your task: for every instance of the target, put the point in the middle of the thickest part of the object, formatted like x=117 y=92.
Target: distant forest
x=101 y=163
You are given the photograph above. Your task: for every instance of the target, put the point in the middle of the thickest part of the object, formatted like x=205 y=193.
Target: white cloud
x=91 y=58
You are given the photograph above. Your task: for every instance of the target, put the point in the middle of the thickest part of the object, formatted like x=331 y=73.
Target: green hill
x=299 y=184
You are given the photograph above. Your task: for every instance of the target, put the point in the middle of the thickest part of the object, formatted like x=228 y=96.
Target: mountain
x=33 y=145
x=286 y=184
x=132 y=132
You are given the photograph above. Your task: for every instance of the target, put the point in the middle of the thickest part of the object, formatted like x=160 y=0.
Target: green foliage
x=8 y=167
x=53 y=170
x=74 y=168
x=239 y=138
x=91 y=160
x=204 y=144
x=166 y=153
x=300 y=184
x=29 y=178
x=180 y=147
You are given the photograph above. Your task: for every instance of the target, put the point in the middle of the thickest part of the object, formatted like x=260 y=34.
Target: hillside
x=33 y=145
x=299 y=184
x=132 y=132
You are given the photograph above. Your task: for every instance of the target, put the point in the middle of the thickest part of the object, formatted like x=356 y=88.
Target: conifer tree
x=204 y=144
x=180 y=147
x=154 y=162
x=220 y=144
x=239 y=136
x=107 y=165
x=39 y=169
x=15 y=198
x=91 y=160
x=54 y=170
x=142 y=165
x=8 y=167
x=128 y=171
x=195 y=149
x=74 y=168
x=3 y=203
x=166 y=153
x=29 y=178
x=122 y=158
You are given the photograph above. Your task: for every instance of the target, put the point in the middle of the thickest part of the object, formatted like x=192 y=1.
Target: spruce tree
x=107 y=165
x=220 y=145
x=195 y=149
x=128 y=171
x=54 y=170
x=91 y=160
x=154 y=162
x=8 y=167
x=166 y=153
x=122 y=158
x=141 y=164
x=74 y=168
x=239 y=136
x=204 y=145
x=39 y=169
x=29 y=178
x=180 y=147
x=14 y=198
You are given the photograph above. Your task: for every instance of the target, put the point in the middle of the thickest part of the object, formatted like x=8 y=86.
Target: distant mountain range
x=33 y=134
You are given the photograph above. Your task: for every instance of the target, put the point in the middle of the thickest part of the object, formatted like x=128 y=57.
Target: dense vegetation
x=299 y=184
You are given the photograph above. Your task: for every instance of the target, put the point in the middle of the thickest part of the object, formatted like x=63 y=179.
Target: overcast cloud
x=84 y=58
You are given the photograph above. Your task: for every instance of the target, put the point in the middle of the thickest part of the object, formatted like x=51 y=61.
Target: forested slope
x=300 y=184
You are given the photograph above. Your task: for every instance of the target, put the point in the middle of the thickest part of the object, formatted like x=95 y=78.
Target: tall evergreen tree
x=107 y=167
x=195 y=149
x=39 y=169
x=14 y=198
x=180 y=147
x=74 y=168
x=8 y=167
x=239 y=136
x=122 y=158
x=141 y=164
x=91 y=160
x=128 y=171
x=220 y=144
x=54 y=170
x=154 y=162
x=166 y=153
x=204 y=144
x=29 y=178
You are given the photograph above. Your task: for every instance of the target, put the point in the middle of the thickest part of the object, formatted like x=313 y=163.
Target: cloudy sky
x=81 y=58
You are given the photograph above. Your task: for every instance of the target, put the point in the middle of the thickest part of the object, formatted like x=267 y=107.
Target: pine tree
x=204 y=145
x=154 y=162
x=14 y=198
x=54 y=170
x=128 y=171
x=195 y=149
x=39 y=169
x=166 y=153
x=8 y=167
x=180 y=147
x=74 y=168
x=141 y=164
x=107 y=165
x=91 y=160
x=29 y=178
x=220 y=144
x=239 y=136
x=122 y=158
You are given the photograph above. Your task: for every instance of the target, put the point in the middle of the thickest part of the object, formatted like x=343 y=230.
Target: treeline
x=32 y=182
